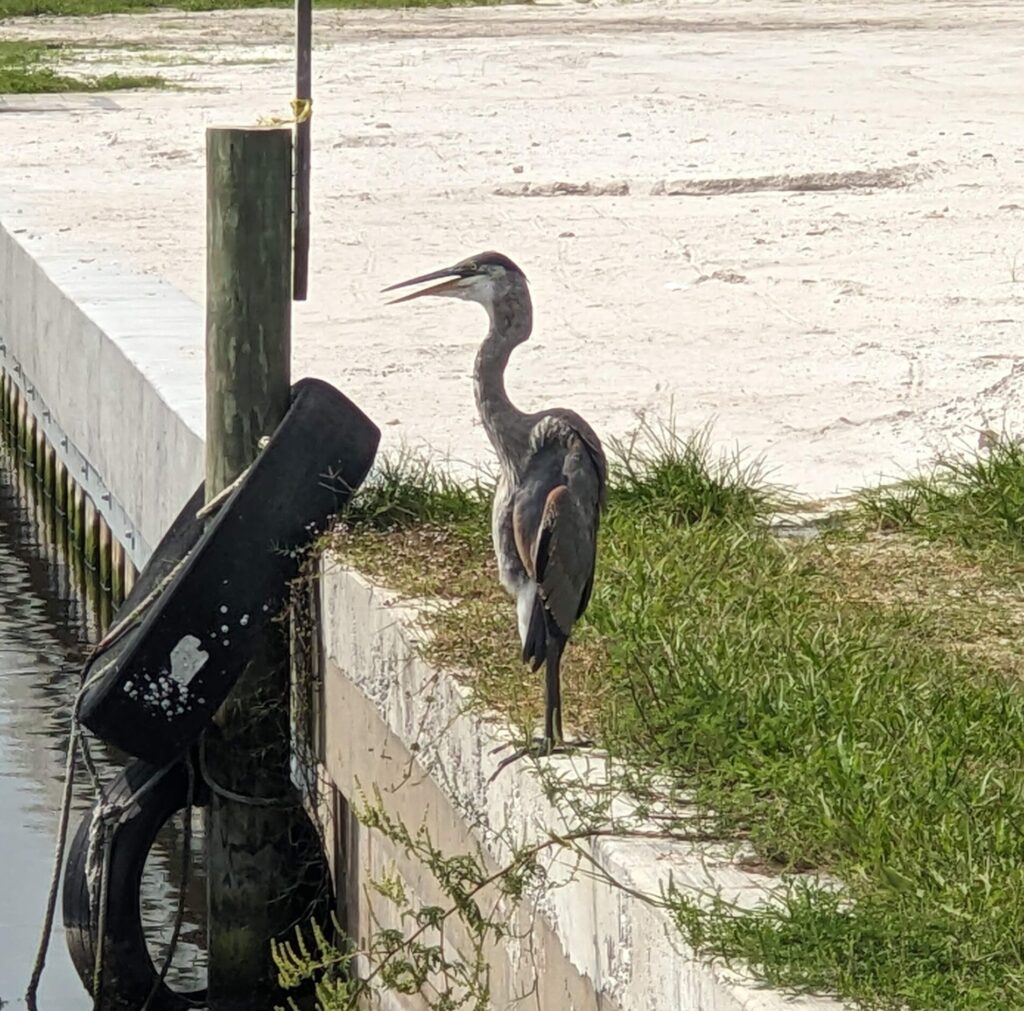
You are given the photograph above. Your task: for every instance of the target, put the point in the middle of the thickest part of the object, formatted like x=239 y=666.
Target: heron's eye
x=471 y=267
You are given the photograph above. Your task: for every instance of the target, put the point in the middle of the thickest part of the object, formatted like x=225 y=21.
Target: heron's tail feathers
x=543 y=637
x=535 y=645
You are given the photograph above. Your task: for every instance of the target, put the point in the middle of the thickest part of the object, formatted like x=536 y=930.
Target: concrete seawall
x=110 y=368
x=111 y=364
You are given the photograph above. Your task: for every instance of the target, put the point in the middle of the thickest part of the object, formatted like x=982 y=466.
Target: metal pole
x=303 y=92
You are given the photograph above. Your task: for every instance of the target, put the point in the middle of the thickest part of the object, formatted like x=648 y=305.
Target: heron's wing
x=565 y=556
x=592 y=443
x=555 y=519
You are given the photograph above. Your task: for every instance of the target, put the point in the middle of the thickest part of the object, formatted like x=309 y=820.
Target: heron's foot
x=539 y=747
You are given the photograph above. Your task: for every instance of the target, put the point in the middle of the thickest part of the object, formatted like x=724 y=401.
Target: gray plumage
x=551 y=484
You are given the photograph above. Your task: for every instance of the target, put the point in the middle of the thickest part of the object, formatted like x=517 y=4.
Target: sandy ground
x=844 y=333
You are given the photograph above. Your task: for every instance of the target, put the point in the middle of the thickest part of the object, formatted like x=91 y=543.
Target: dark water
x=49 y=611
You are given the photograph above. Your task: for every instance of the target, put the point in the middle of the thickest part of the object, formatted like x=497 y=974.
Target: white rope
x=239 y=798
x=106 y=831
x=58 y=863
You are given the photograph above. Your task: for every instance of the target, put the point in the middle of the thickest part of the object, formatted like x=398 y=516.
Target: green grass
x=849 y=703
x=28 y=8
x=30 y=68
x=973 y=499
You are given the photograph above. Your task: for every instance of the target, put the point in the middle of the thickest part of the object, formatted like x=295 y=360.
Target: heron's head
x=486 y=278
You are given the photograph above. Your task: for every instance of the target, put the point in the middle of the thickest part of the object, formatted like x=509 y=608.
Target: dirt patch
x=972 y=611
x=563 y=189
x=807 y=182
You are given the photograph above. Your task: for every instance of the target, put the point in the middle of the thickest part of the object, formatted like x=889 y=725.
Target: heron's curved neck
x=507 y=427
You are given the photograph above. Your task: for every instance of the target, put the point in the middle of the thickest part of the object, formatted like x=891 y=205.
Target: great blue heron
x=551 y=486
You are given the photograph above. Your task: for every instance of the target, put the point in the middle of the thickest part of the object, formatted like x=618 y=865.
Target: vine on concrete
x=416 y=958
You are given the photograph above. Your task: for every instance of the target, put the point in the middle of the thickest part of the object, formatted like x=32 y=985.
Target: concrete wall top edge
x=159 y=329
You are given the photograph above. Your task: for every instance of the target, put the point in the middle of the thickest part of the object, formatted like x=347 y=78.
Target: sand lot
x=805 y=221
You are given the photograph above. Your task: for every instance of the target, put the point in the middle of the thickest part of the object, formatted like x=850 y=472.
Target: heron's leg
x=553 y=740
x=553 y=700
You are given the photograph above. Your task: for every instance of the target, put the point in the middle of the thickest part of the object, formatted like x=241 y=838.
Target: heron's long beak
x=434 y=289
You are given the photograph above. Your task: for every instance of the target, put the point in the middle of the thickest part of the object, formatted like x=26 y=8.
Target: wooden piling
x=251 y=865
x=5 y=387
x=90 y=597
x=105 y=547
x=75 y=566
x=34 y=497
x=60 y=501
x=104 y=612
x=49 y=471
x=20 y=421
x=90 y=535
x=30 y=440
x=60 y=489
x=70 y=510
x=74 y=513
x=117 y=573
x=82 y=505
x=40 y=455
x=48 y=531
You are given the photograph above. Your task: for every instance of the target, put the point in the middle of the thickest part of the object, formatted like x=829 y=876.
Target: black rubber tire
x=179 y=539
x=154 y=693
x=128 y=971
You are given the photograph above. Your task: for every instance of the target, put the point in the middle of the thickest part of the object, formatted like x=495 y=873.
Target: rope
x=101 y=923
x=51 y=898
x=302 y=111
x=218 y=500
x=75 y=744
x=238 y=798
x=90 y=764
x=105 y=819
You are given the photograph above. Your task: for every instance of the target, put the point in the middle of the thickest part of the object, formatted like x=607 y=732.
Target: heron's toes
x=539 y=747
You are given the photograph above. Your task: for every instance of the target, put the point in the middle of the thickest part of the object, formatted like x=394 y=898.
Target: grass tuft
x=975 y=499
x=28 y=68
x=659 y=471
x=409 y=489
